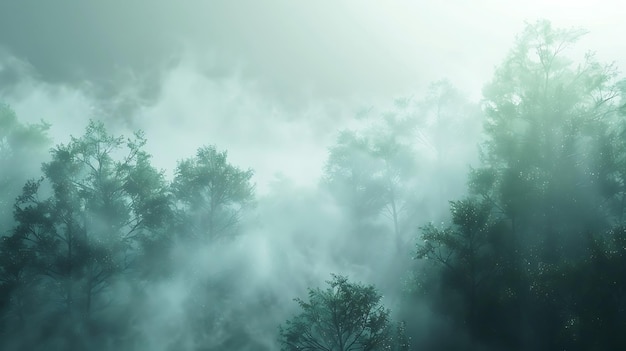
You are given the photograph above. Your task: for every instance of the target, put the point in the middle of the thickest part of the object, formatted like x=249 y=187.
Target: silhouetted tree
x=79 y=226
x=211 y=194
x=547 y=120
x=344 y=317
x=465 y=253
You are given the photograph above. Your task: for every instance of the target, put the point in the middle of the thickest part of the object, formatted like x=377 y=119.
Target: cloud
x=295 y=52
x=195 y=109
x=34 y=100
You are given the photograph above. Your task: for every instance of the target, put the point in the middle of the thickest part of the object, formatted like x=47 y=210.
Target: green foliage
x=539 y=100
x=346 y=316
x=518 y=253
x=546 y=122
x=79 y=226
x=211 y=194
x=611 y=167
x=465 y=251
x=471 y=224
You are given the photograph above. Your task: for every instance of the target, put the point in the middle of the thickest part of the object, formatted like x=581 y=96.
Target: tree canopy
x=524 y=250
x=344 y=317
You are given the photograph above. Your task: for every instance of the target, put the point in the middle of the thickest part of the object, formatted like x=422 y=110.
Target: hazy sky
x=271 y=81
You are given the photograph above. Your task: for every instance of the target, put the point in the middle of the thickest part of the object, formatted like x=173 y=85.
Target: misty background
x=287 y=89
x=256 y=77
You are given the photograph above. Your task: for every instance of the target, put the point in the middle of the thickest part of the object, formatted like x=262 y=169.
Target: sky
x=272 y=82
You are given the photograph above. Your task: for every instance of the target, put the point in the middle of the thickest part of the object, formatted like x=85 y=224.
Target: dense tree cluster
x=100 y=213
x=531 y=255
x=528 y=252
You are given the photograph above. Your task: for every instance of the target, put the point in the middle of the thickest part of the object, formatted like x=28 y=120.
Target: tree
x=466 y=253
x=349 y=172
x=373 y=174
x=210 y=194
x=344 y=317
x=611 y=164
x=551 y=181
x=545 y=122
x=375 y=170
x=210 y=198
x=80 y=225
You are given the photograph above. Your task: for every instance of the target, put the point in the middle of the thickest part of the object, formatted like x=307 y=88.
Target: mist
x=173 y=176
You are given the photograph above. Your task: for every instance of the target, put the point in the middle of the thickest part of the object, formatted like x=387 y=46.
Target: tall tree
x=211 y=194
x=349 y=172
x=344 y=317
x=547 y=119
x=80 y=224
x=611 y=164
x=373 y=174
x=465 y=254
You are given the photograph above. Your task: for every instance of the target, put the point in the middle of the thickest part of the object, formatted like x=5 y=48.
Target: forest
x=438 y=224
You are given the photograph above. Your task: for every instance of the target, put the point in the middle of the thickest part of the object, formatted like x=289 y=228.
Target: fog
x=274 y=84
